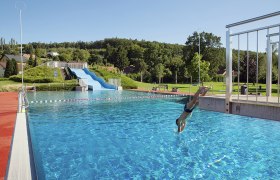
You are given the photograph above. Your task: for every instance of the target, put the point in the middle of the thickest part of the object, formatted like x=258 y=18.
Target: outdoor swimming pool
x=136 y=138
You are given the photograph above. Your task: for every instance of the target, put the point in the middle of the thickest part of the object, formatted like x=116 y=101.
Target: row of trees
x=154 y=61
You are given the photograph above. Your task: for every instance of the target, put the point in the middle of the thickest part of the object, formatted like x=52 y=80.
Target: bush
x=134 y=76
x=4 y=79
x=17 y=78
x=128 y=83
x=56 y=87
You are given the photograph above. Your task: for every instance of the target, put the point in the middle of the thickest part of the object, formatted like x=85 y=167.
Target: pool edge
x=21 y=161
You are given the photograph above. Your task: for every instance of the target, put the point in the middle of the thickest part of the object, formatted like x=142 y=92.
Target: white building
x=52 y=54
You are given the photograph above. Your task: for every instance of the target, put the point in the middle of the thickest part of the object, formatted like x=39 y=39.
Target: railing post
x=228 y=72
x=238 y=69
x=268 y=66
x=278 y=83
x=19 y=102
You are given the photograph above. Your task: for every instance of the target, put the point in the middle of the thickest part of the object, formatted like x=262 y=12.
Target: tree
x=2 y=43
x=174 y=64
x=253 y=68
x=14 y=67
x=9 y=69
x=120 y=58
x=135 y=52
x=152 y=55
x=35 y=63
x=141 y=67
x=210 y=48
x=159 y=70
x=28 y=48
x=39 y=52
x=109 y=53
x=194 y=68
x=65 y=56
x=95 y=59
x=81 y=55
x=30 y=60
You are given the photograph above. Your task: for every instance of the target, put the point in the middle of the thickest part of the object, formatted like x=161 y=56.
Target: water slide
x=94 y=82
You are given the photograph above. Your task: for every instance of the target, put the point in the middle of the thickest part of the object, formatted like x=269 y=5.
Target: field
x=216 y=87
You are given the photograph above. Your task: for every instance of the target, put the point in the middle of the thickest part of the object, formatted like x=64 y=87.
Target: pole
x=257 y=69
x=278 y=68
x=238 y=67
x=21 y=48
x=268 y=67
x=247 y=66
x=199 y=59
x=228 y=72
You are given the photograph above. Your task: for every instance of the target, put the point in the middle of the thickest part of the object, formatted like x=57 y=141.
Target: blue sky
x=170 y=21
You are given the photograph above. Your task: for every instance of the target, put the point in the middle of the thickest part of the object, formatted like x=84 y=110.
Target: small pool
x=129 y=135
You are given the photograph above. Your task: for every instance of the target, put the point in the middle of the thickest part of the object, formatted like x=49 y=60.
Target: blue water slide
x=100 y=80
x=93 y=82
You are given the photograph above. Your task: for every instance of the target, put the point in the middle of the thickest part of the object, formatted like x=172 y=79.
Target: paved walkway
x=162 y=92
x=8 y=111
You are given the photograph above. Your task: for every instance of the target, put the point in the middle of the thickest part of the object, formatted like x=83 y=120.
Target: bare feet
x=204 y=90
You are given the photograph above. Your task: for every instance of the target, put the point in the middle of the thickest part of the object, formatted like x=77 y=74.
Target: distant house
x=52 y=54
x=27 y=56
x=6 y=57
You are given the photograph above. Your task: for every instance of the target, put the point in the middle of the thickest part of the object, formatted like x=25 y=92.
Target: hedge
x=4 y=79
x=56 y=87
x=17 y=78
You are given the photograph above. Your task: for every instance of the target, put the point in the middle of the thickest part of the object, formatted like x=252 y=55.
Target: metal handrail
x=23 y=101
x=253 y=19
x=257 y=29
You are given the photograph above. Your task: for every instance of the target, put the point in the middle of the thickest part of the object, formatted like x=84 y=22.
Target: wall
x=264 y=111
x=212 y=103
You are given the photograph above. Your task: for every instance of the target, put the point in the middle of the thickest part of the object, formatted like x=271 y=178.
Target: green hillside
x=39 y=74
x=105 y=73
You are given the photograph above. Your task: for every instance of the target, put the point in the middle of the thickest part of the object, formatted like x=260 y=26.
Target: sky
x=169 y=21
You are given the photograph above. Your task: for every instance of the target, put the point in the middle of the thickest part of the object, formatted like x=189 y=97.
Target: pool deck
x=251 y=105
x=161 y=92
x=8 y=114
x=262 y=107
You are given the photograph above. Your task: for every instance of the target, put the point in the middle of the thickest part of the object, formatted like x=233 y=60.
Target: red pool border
x=8 y=112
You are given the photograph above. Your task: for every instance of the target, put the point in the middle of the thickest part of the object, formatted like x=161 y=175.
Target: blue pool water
x=129 y=138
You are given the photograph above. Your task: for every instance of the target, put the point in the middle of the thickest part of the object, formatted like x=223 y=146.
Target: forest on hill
x=151 y=61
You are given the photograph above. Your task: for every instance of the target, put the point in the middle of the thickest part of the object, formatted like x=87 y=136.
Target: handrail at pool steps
x=23 y=103
x=100 y=80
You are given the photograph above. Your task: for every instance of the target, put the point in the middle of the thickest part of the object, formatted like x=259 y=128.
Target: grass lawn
x=217 y=87
x=7 y=85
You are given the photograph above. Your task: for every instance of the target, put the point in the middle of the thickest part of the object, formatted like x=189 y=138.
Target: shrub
x=56 y=87
x=17 y=78
x=4 y=79
x=128 y=83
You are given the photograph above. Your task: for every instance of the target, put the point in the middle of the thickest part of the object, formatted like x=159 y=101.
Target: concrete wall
x=212 y=104
x=256 y=110
x=265 y=111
